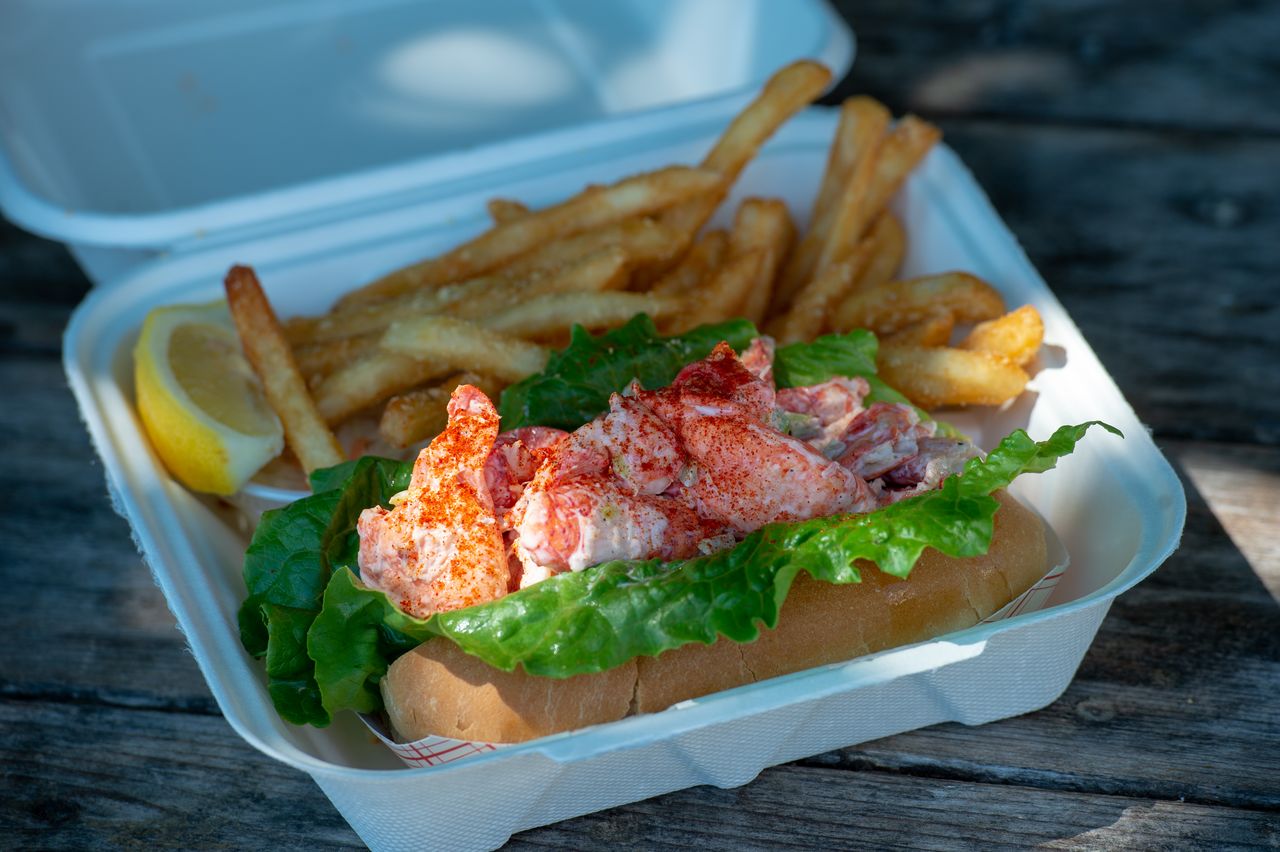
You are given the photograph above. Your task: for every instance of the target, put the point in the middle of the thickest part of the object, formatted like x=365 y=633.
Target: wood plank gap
x=124 y=699
x=1040 y=779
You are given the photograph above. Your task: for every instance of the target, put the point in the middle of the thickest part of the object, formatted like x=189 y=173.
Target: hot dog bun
x=438 y=689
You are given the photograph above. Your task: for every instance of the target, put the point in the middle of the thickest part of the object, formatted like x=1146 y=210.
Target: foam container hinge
x=1116 y=505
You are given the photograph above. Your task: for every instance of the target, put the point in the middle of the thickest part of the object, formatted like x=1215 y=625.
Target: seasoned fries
x=557 y=313
x=1015 y=336
x=269 y=354
x=593 y=208
x=698 y=263
x=763 y=224
x=933 y=330
x=889 y=245
x=807 y=316
x=848 y=149
x=369 y=380
x=421 y=414
x=935 y=377
x=787 y=92
x=452 y=344
x=722 y=295
x=897 y=304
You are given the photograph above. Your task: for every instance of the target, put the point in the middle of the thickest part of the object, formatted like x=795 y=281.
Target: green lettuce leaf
x=593 y=620
x=577 y=381
x=289 y=563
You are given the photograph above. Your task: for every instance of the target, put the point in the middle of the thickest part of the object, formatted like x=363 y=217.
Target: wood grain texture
x=1202 y=65
x=797 y=808
x=1129 y=147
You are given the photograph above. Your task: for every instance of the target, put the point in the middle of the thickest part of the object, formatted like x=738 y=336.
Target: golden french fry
x=592 y=208
x=849 y=219
x=812 y=306
x=317 y=360
x=787 y=92
x=722 y=295
x=1016 y=336
x=889 y=246
x=604 y=269
x=933 y=330
x=422 y=414
x=764 y=224
x=455 y=344
x=889 y=307
x=862 y=124
x=641 y=238
x=503 y=210
x=899 y=153
x=934 y=377
x=558 y=312
x=271 y=358
x=369 y=380
x=375 y=317
x=703 y=258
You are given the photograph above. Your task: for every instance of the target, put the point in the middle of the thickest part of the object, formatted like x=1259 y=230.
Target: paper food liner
x=437 y=751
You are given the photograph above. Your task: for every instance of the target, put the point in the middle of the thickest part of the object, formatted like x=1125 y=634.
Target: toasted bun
x=438 y=689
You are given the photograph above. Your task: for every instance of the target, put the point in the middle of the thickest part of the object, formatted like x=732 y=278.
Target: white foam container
x=133 y=130
x=1116 y=504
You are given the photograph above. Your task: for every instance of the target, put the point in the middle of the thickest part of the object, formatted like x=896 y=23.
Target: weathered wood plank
x=1188 y=64
x=174 y=780
x=91 y=777
x=89 y=604
x=796 y=808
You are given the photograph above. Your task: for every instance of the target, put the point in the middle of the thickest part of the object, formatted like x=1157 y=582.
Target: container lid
x=148 y=124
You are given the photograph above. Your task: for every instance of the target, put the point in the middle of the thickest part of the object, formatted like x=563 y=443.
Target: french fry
x=850 y=218
x=454 y=344
x=375 y=317
x=787 y=92
x=812 y=306
x=558 y=312
x=862 y=124
x=889 y=246
x=933 y=330
x=369 y=380
x=934 y=377
x=889 y=307
x=899 y=153
x=763 y=224
x=503 y=210
x=592 y=208
x=423 y=413
x=643 y=240
x=604 y=269
x=703 y=258
x=317 y=360
x=1015 y=336
x=722 y=295
x=271 y=358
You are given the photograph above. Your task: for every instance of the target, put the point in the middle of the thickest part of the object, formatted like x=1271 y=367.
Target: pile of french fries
x=489 y=311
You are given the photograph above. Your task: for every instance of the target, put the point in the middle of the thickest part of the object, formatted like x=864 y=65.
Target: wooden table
x=1134 y=149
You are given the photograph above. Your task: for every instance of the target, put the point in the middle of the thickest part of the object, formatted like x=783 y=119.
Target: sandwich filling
x=670 y=473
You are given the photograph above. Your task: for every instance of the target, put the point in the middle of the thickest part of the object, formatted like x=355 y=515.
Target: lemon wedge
x=199 y=399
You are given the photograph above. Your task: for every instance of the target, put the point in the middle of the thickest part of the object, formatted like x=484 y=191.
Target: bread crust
x=439 y=689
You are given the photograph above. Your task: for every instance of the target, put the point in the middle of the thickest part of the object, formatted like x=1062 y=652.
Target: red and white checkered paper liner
x=437 y=751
